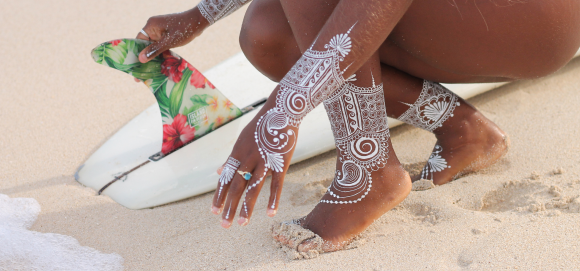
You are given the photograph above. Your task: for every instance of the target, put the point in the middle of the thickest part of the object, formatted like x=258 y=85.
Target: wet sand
x=58 y=106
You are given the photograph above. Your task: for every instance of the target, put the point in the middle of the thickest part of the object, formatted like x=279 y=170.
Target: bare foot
x=469 y=144
x=338 y=224
x=369 y=180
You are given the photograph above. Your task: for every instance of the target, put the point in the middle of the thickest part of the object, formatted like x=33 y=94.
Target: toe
x=308 y=245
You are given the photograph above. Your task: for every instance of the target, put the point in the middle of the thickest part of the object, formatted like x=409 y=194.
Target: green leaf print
x=99 y=54
x=163 y=101
x=186 y=110
x=171 y=96
x=157 y=83
x=199 y=101
x=149 y=70
x=135 y=47
x=113 y=55
x=176 y=96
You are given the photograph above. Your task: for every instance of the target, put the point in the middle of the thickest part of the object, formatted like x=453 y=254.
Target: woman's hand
x=170 y=31
x=265 y=146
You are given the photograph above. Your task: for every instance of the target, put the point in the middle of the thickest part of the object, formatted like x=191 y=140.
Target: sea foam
x=22 y=249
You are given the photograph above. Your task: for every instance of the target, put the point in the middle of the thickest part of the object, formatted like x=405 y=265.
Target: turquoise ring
x=246 y=175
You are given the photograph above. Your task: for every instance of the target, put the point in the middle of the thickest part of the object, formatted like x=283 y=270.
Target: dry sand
x=57 y=106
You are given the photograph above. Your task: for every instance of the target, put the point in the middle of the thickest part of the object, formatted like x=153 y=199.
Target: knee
x=267 y=40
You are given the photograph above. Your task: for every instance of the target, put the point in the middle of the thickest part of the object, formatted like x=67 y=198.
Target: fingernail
x=243 y=221
x=271 y=213
x=216 y=210
x=226 y=224
x=142 y=58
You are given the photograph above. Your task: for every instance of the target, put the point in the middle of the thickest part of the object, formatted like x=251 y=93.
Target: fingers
x=252 y=192
x=236 y=190
x=227 y=172
x=141 y=36
x=154 y=49
x=157 y=36
x=275 y=192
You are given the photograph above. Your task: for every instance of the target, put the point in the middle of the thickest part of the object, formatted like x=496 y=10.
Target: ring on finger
x=144 y=33
x=246 y=175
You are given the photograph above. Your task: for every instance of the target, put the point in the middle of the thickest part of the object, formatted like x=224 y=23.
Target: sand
x=58 y=106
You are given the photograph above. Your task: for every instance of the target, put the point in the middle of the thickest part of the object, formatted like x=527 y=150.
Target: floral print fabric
x=190 y=105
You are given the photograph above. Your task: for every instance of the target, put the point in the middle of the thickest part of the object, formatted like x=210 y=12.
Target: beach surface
x=58 y=107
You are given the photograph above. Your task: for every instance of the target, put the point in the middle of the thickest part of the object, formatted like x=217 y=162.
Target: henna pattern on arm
x=311 y=80
x=214 y=10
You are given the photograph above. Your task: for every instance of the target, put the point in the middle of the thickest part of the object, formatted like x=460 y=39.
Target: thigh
x=484 y=38
x=267 y=39
x=307 y=17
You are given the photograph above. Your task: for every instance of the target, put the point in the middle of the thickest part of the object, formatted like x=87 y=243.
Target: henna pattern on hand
x=311 y=80
x=228 y=173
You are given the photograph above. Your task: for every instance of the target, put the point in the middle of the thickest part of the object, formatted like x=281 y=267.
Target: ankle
x=394 y=180
x=466 y=125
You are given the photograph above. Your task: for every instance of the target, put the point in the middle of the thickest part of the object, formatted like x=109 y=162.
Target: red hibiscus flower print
x=173 y=67
x=115 y=42
x=198 y=80
x=176 y=134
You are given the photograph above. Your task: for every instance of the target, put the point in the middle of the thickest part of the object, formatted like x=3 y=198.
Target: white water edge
x=22 y=249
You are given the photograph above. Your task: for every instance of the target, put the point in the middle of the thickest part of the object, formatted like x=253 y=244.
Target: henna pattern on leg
x=359 y=123
x=433 y=107
x=311 y=80
x=436 y=163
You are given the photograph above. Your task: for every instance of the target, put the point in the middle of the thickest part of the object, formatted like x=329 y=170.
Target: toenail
x=271 y=212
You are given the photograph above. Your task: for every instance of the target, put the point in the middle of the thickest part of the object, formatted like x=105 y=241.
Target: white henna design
x=213 y=10
x=228 y=173
x=311 y=80
x=359 y=122
x=436 y=163
x=433 y=107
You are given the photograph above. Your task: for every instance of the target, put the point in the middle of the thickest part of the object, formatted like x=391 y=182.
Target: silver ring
x=144 y=33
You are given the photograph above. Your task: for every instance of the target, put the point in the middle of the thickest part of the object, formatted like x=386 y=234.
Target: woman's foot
x=338 y=224
x=467 y=143
x=369 y=180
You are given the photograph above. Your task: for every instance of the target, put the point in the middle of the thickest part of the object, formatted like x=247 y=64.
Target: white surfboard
x=191 y=170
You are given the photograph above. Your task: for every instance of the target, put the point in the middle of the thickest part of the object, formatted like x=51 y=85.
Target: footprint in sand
x=530 y=195
x=424 y=213
x=310 y=193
